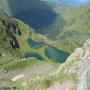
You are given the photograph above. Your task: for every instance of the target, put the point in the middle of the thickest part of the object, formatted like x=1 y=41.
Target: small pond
x=33 y=54
x=34 y=44
x=56 y=54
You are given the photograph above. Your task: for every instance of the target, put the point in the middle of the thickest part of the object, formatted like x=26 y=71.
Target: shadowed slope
x=36 y=13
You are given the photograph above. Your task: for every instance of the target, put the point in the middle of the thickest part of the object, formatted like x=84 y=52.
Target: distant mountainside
x=71 y=25
x=36 y=13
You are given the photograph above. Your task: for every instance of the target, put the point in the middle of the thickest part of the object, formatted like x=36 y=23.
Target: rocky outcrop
x=79 y=63
x=81 y=56
x=84 y=70
x=9 y=29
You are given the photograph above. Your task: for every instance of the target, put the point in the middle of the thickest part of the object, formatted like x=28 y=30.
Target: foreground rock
x=84 y=70
x=79 y=63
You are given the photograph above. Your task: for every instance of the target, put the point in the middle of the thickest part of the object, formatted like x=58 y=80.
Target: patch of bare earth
x=66 y=85
x=37 y=69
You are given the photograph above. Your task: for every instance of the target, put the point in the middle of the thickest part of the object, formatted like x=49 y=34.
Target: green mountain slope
x=74 y=26
x=77 y=27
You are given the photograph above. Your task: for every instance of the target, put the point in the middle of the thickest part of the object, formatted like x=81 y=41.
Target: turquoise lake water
x=52 y=53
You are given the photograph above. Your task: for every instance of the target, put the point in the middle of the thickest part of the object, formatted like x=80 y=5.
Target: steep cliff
x=84 y=70
x=79 y=63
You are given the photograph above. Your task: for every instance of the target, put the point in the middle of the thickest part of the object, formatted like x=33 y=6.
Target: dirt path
x=38 y=69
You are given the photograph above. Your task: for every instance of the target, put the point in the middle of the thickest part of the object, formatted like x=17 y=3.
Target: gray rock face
x=88 y=79
x=84 y=70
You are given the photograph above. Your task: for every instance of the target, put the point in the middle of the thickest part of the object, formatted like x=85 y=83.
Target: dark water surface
x=34 y=44
x=56 y=54
x=33 y=54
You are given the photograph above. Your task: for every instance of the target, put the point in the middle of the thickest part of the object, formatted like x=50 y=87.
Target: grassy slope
x=8 y=61
x=72 y=27
x=78 y=24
